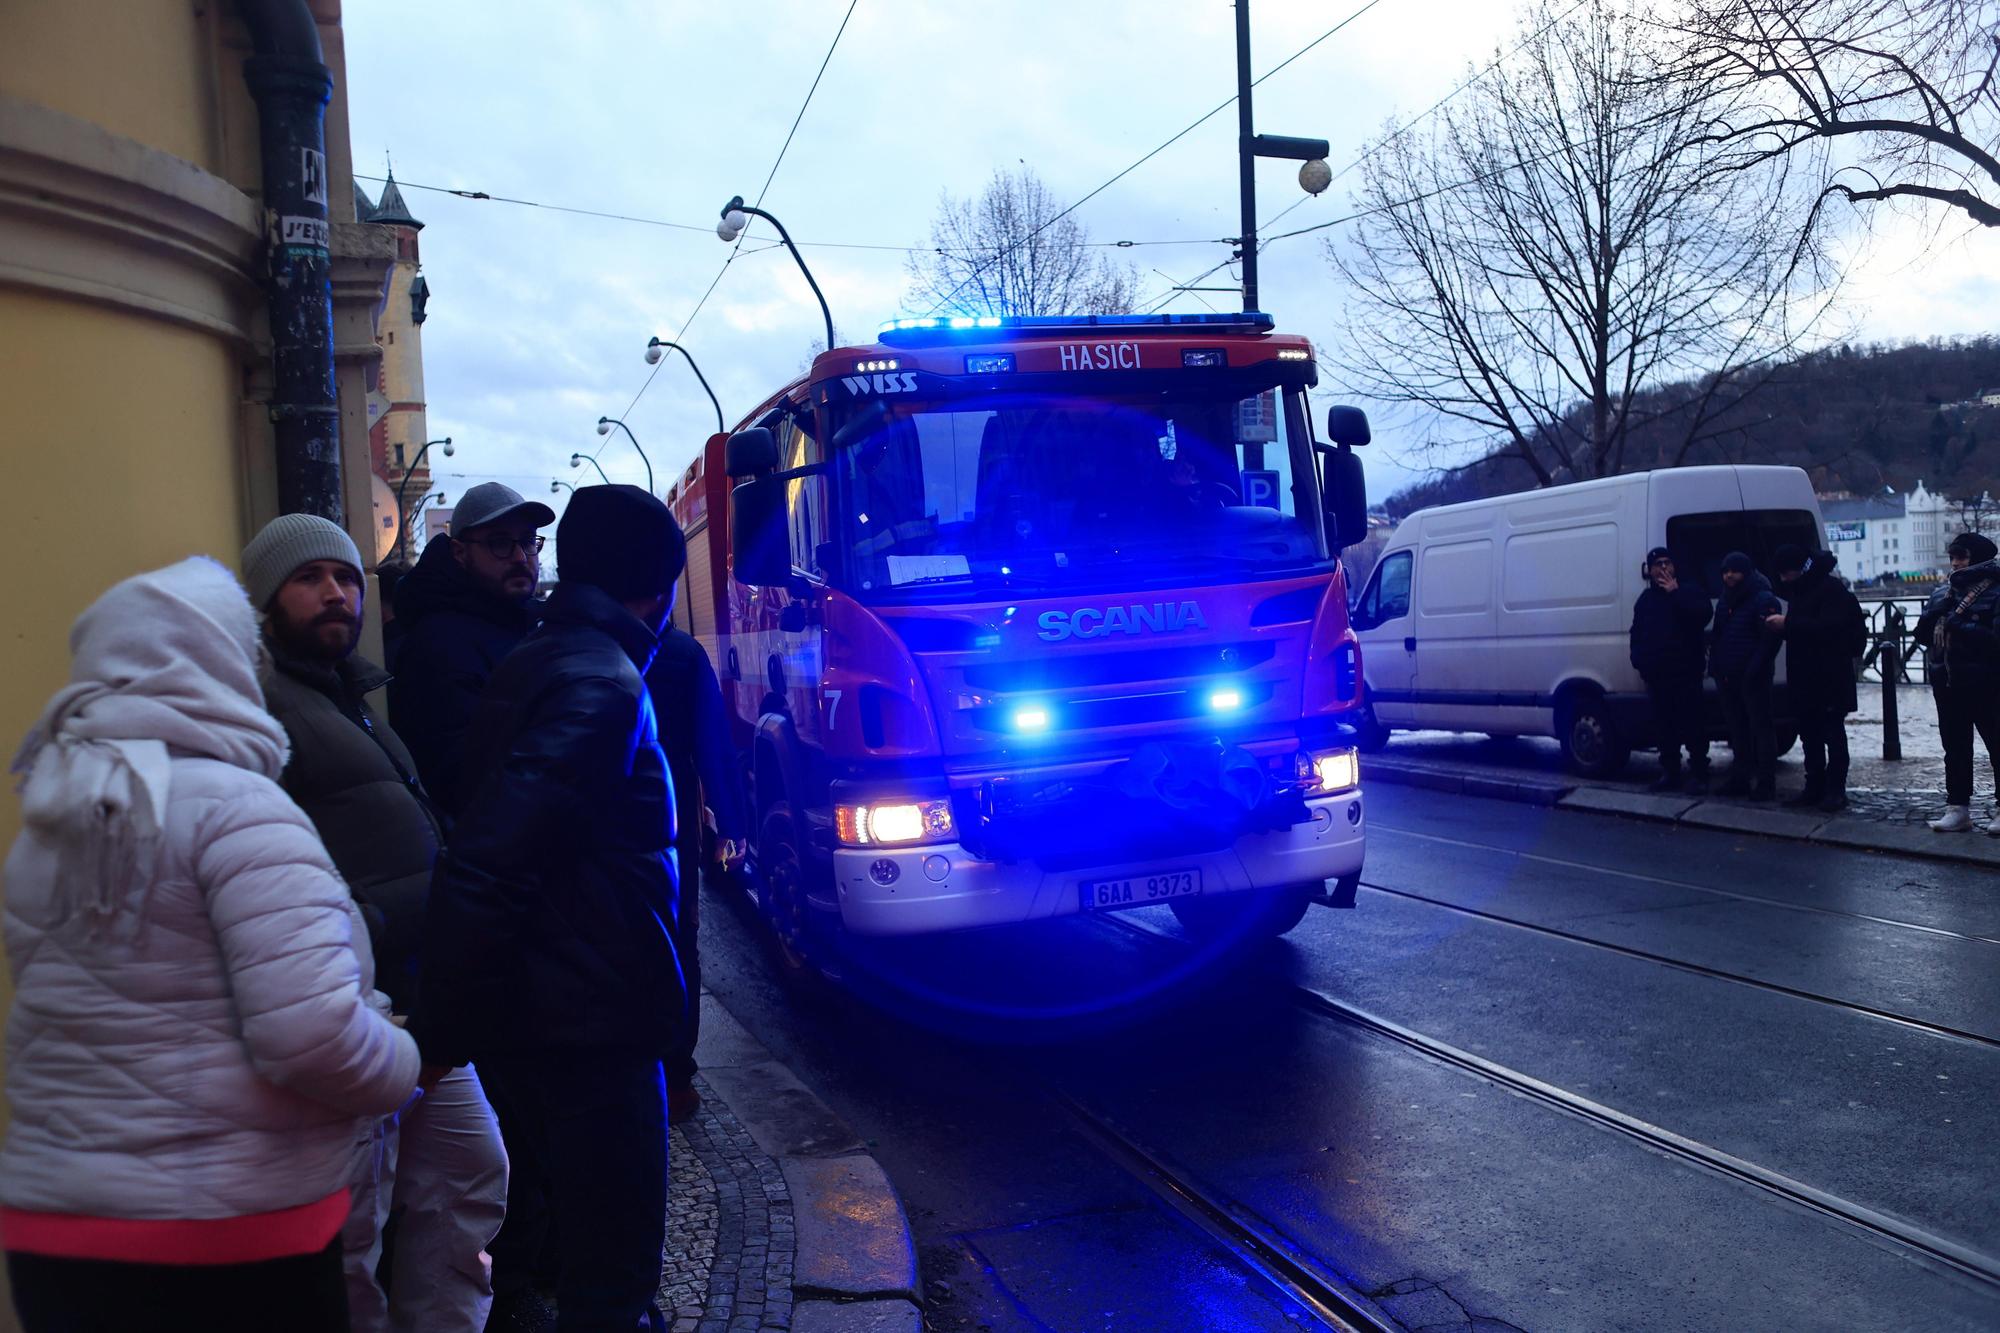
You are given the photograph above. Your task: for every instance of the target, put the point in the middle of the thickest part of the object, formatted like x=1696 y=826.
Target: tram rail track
x=1250 y=1238
x=1923 y=1025
x=1879 y=1226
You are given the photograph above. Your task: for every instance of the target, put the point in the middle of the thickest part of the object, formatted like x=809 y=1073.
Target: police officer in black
x=1668 y=651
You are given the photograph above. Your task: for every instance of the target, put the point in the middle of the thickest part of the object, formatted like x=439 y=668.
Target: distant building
x=397 y=427
x=1883 y=536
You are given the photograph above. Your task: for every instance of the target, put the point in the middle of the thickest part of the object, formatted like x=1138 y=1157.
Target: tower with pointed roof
x=397 y=421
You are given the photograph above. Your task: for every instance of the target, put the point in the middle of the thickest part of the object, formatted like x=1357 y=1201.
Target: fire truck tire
x=1252 y=915
x=800 y=940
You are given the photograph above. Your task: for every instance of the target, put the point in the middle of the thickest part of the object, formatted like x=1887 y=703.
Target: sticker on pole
x=304 y=233
x=312 y=176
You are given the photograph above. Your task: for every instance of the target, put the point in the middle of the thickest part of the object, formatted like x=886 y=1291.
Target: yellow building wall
x=104 y=484
x=143 y=69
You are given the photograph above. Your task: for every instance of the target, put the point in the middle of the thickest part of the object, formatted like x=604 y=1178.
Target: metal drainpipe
x=289 y=80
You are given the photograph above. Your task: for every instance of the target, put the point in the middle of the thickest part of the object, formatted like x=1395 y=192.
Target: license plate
x=1108 y=895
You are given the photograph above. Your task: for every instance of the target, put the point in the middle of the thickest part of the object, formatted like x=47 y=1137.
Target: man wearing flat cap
x=464 y=606
x=549 y=951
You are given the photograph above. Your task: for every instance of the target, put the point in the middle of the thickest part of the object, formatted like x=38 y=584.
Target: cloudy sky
x=663 y=109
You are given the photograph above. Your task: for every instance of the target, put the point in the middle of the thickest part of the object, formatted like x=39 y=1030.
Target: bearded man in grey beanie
x=440 y=1162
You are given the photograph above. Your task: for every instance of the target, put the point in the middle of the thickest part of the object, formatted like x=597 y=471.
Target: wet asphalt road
x=1828 y=1019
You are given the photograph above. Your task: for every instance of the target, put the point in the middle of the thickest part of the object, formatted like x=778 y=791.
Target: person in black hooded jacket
x=1824 y=630
x=1742 y=656
x=1667 y=625
x=549 y=952
x=1960 y=633
x=469 y=600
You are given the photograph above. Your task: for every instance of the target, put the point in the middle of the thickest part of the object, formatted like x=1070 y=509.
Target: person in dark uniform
x=1667 y=652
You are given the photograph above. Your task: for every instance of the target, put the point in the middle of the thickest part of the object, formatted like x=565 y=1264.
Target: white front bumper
x=942 y=887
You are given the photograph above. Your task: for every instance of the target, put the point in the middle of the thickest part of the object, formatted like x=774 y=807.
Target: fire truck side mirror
x=1344 y=496
x=751 y=450
x=1347 y=426
x=759 y=540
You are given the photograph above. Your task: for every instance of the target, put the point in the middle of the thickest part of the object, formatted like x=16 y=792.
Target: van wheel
x=1591 y=745
x=1253 y=914
x=1369 y=735
x=801 y=941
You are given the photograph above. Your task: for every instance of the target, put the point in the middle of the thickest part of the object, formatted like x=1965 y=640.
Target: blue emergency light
x=930 y=329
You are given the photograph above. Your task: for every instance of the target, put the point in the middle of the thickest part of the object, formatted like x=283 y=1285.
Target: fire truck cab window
x=805 y=497
x=1057 y=490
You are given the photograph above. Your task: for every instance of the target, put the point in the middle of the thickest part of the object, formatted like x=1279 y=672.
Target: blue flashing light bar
x=931 y=329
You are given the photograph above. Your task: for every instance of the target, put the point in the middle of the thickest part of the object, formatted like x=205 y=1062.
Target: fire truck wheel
x=1255 y=914
x=799 y=939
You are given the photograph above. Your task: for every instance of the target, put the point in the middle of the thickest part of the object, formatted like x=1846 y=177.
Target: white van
x=1511 y=616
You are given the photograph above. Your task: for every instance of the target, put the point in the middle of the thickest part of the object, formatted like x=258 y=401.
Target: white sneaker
x=1956 y=819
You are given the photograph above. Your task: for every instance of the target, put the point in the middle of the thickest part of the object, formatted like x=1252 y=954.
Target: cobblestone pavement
x=730 y=1236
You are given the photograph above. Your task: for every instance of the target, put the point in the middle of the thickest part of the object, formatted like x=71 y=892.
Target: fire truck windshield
x=1041 y=491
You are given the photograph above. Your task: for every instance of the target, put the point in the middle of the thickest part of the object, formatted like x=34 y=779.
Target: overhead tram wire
x=884 y=247
x=735 y=248
x=1220 y=107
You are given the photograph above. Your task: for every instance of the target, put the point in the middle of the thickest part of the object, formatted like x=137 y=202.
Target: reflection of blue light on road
x=1225 y=701
x=1031 y=718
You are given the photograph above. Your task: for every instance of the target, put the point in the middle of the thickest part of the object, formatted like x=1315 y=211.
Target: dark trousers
x=1746 y=708
x=1678 y=722
x=1823 y=735
x=305 y=1293
x=596 y=1121
x=522 y=1253
x=1960 y=713
x=680 y=1061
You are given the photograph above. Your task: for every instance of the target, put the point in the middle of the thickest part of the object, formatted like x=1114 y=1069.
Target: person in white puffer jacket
x=196 y=1050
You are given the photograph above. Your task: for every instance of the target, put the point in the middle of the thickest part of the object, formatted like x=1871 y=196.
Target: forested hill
x=1857 y=418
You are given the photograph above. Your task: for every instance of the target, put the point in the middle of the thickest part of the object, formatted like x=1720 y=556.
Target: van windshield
x=1065 y=491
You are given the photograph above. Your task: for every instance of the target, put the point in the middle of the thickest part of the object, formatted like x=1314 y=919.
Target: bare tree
x=1904 y=90
x=1016 y=251
x=1530 y=270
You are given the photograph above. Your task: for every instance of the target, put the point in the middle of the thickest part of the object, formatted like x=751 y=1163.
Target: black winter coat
x=1667 y=643
x=351 y=775
x=550 y=919
x=1825 y=630
x=694 y=731
x=453 y=633
x=1741 y=646
x=1971 y=658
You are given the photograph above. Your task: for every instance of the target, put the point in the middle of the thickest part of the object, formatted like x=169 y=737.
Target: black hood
x=440 y=583
x=1819 y=568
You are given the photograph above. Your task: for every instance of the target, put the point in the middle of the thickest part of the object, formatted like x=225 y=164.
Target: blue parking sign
x=1260 y=488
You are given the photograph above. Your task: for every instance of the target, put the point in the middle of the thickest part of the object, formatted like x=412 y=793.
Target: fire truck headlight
x=1335 y=771
x=893 y=823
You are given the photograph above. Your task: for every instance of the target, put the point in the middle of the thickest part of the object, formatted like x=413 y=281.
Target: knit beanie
x=1977 y=547
x=620 y=539
x=1656 y=555
x=1739 y=562
x=288 y=541
x=1790 y=556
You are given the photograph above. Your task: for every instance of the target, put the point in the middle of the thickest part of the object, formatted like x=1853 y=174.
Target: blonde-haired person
x=196 y=1049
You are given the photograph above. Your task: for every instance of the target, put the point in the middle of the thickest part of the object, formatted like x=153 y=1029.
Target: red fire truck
x=1028 y=617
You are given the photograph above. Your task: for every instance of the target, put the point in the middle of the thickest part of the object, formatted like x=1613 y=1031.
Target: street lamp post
x=1314 y=176
x=604 y=425
x=410 y=521
x=578 y=460
x=659 y=347
x=736 y=216
x=402 y=488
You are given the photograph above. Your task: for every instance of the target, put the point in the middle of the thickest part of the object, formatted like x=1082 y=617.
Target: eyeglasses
x=499 y=545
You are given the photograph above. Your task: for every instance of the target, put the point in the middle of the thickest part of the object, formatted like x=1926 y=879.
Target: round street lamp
x=736 y=216
x=659 y=347
x=403 y=486
x=604 y=425
x=1315 y=176
x=578 y=460
x=557 y=487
